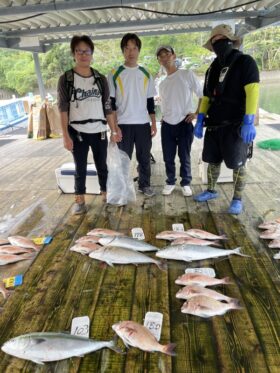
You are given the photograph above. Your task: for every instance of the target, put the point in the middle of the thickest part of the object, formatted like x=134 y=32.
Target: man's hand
x=190 y=117
x=153 y=129
x=67 y=142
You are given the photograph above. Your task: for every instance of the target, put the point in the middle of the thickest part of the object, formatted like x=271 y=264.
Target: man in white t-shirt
x=176 y=92
x=132 y=94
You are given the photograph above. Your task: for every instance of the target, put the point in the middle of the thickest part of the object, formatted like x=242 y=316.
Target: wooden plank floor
x=59 y=284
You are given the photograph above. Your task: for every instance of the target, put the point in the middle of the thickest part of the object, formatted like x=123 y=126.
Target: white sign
x=80 y=326
x=138 y=233
x=153 y=322
x=204 y=271
x=178 y=227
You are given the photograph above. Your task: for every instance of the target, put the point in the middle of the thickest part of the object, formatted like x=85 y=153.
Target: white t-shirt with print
x=132 y=88
x=176 y=94
x=86 y=106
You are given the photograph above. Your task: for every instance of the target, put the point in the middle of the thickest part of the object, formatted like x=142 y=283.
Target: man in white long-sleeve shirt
x=176 y=92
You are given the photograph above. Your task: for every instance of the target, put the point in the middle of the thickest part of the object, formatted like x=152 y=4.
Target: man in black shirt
x=227 y=110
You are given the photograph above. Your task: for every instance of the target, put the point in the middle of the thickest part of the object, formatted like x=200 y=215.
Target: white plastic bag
x=120 y=187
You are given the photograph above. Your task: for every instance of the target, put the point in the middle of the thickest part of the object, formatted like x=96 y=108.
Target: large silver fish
x=271 y=234
x=43 y=347
x=127 y=243
x=23 y=242
x=9 y=249
x=274 y=244
x=207 y=307
x=10 y=258
x=84 y=248
x=195 y=252
x=117 y=255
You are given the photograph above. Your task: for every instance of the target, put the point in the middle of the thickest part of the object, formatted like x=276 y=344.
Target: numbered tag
x=204 y=271
x=80 y=326
x=178 y=227
x=42 y=240
x=153 y=322
x=11 y=282
x=138 y=233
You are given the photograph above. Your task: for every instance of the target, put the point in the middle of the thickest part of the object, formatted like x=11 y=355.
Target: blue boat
x=12 y=112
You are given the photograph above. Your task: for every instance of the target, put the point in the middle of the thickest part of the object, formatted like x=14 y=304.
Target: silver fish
x=191 y=291
x=117 y=255
x=204 y=235
x=277 y=256
x=207 y=307
x=43 y=347
x=194 y=241
x=195 y=252
x=127 y=243
x=93 y=239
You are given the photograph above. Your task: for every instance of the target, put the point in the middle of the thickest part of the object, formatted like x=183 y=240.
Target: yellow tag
x=9 y=282
x=38 y=240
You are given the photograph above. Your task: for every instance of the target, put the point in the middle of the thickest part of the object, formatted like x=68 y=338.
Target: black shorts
x=225 y=144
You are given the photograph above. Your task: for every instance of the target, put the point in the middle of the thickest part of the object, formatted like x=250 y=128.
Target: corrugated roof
x=33 y=24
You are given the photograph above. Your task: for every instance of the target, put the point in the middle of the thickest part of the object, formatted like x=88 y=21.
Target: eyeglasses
x=81 y=52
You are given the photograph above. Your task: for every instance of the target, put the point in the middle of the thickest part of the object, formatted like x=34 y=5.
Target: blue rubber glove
x=198 y=128
x=248 y=131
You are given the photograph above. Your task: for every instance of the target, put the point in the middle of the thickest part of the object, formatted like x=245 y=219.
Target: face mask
x=222 y=48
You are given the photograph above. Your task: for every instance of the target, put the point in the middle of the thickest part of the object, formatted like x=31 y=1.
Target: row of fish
x=47 y=347
x=272 y=232
x=15 y=249
x=201 y=301
x=116 y=248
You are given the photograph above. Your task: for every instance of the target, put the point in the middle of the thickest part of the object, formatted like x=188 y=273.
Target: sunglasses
x=81 y=52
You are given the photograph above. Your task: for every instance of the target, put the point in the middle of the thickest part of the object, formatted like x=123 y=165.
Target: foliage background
x=17 y=72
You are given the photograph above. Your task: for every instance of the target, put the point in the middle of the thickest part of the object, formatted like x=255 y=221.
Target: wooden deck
x=60 y=284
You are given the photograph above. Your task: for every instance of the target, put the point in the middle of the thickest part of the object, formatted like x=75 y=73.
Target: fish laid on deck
x=204 y=306
x=137 y=335
x=127 y=243
x=117 y=255
x=271 y=234
x=270 y=224
x=10 y=258
x=4 y=241
x=277 y=256
x=44 y=347
x=85 y=248
x=171 y=235
x=9 y=249
x=275 y=244
x=204 y=235
x=4 y=291
x=23 y=242
x=189 y=253
x=91 y=238
x=191 y=291
x=102 y=232
x=194 y=241
x=201 y=280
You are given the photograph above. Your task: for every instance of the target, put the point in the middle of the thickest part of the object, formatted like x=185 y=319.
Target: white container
x=65 y=178
x=226 y=174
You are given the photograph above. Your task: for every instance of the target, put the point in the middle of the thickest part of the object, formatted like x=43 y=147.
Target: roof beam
x=134 y=25
x=19 y=10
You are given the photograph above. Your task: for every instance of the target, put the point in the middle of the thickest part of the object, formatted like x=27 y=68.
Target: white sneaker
x=168 y=189
x=187 y=192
